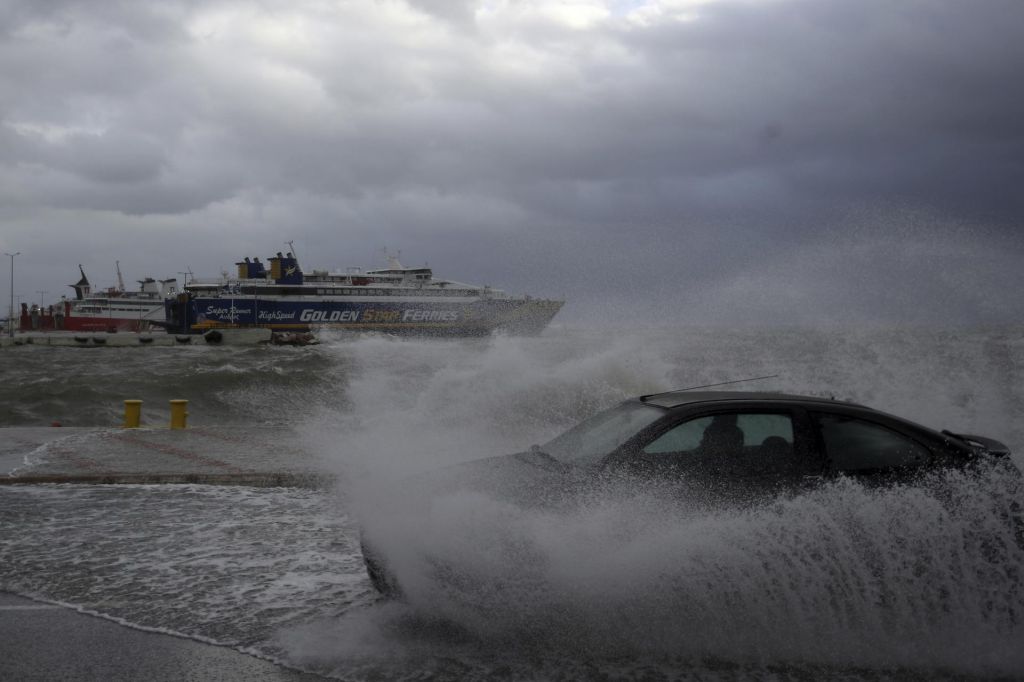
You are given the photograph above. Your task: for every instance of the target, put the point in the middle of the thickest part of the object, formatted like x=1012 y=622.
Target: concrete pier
x=224 y=337
x=235 y=455
x=50 y=642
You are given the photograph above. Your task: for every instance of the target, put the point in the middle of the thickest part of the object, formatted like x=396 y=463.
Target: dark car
x=732 y=447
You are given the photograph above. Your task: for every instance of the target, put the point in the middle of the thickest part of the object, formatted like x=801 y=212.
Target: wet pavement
x=262 y=456
x=49 y=642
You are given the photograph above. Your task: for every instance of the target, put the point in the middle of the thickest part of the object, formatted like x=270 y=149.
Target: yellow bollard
x=178 y=413
x=132 y=414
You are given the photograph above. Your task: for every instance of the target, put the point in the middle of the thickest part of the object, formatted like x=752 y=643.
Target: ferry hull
x=94 y=324
x=481 y=317
x=65 y=319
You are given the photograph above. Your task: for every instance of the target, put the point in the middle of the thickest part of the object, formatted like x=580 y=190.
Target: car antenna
x=721 y=383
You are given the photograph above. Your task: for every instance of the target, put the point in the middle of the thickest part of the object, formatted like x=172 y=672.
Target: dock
x=223 y=337
x=222 y=455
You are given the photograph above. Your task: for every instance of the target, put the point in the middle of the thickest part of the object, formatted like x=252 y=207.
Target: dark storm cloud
x=602 y=150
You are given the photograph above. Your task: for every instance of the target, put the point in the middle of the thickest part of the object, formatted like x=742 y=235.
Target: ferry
x=114 y=309
x=395 y=299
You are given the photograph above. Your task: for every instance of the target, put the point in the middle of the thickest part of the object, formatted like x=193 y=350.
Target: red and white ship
x=111 y=310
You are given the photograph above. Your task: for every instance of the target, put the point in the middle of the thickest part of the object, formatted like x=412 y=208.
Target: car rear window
x=858 y=445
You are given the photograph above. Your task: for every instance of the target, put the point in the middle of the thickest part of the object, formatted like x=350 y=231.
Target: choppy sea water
x=845 y=582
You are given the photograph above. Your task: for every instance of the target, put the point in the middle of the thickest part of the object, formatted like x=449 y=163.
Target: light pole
x=10 y=316
x=41 y=295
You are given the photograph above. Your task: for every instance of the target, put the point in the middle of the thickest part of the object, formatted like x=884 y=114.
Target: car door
x=868 y=449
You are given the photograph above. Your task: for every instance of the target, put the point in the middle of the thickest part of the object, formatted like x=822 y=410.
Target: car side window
x=741 y=444
x=857 y=445
x=735 y=433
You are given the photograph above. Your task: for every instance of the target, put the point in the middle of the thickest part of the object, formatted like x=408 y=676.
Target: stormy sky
x=697 y=161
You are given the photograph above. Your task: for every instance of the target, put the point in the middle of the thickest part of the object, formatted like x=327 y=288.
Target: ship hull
x=478 y=317
x=98 y=324
x=47 y=320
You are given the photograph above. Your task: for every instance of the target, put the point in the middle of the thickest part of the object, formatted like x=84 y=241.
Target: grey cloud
x=597 y=159
x=113 y=157
x=458 y=12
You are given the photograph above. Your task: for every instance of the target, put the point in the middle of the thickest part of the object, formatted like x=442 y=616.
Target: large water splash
x=843 y=576
x=404 y=405
x=923 y=577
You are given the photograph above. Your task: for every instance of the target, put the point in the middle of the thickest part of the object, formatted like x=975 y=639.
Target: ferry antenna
x=291 y=247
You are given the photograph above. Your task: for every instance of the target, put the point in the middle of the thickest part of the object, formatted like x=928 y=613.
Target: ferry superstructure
x=109 y=310
x=395 y=299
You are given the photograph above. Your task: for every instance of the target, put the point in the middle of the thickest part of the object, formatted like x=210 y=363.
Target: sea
x=843 y=582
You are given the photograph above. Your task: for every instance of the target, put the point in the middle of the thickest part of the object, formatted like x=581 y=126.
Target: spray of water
x=410 y=406
x=845 y=575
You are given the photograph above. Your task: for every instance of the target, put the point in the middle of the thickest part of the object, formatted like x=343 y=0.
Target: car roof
x=671 y=399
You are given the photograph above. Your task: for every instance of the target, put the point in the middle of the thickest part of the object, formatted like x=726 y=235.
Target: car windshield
x=592 y=439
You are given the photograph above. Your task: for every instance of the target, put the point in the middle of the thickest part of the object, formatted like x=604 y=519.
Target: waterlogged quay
x=846 y=582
